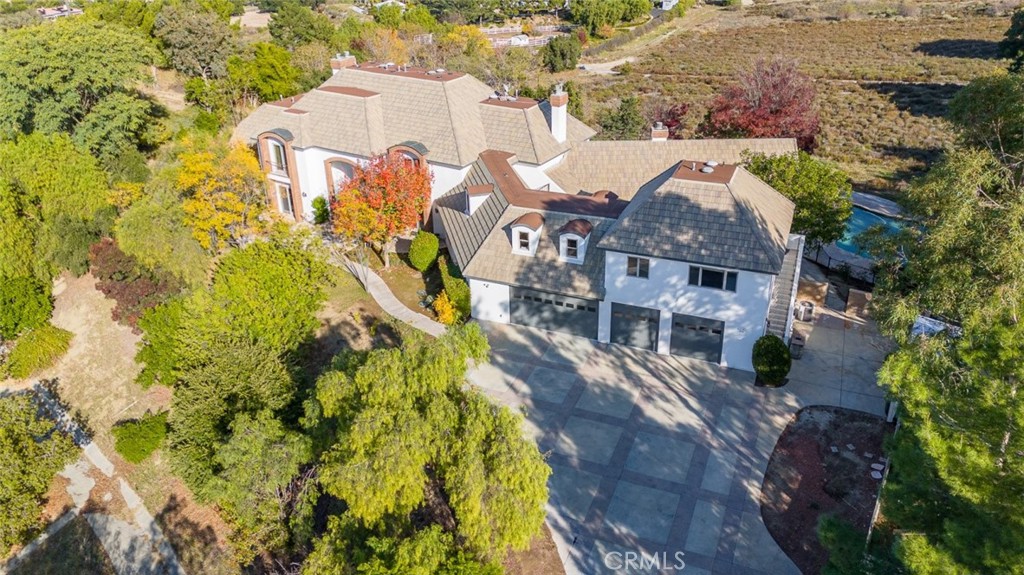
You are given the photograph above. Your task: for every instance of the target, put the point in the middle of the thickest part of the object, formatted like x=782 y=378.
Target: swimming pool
x=860 y=221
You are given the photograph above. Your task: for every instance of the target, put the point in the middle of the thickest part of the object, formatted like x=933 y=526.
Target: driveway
x=653 y=455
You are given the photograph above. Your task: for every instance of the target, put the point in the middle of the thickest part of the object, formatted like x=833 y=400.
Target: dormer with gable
x=573 y=238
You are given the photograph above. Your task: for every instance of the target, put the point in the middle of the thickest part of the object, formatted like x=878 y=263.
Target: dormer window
x=526 y=231
x=524 y=240
x=572 y=241
x=572 y=248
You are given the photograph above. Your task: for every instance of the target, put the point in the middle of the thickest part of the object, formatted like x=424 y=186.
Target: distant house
x=666 y=245
x=58 y=12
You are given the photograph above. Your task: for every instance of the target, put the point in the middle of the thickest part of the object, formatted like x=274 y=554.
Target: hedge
x=455 y=286
x=423 y=250
x=771 y=359
x=137 y=439
x=37 y=350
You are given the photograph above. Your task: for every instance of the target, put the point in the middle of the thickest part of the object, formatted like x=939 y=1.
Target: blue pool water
x=859 y=222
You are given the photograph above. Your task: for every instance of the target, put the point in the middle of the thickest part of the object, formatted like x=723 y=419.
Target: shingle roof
x=464 y=233
x=495 y=262
x=625 y=166
x=742 y=224
x=365 y=110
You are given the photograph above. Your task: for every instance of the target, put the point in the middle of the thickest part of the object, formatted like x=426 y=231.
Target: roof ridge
x=529 y=132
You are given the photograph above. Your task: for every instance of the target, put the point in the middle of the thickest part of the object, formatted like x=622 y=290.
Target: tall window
x=284 y=198
x=278 y=159
x=572 y=248
x=524 y=241
x=638 y=267
x=712 y=278
x=341 y=172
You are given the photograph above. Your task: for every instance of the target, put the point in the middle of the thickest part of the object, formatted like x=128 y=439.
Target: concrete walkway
x=137 y=547
x=381 y=293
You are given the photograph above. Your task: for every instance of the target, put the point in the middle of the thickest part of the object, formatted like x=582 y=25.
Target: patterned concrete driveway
x=651 y=455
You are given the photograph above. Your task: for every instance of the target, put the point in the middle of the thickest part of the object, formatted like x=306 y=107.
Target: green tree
x=32 y=451
x=153 y=230
x=1012 y=44
x=54 y=77
x=264 y=74
x=59 y=193
x=134 y=14
x=24 y=304
x=196 y=42
x=561 y=53
x=820 y=191
x=136 y=440
x=254 y=486
x=593 y=14
x=388 y=15
x=158 y=352
x=295 y=25
x=469 y=11
x=394 y=412
x=989 y=113
x=627 y=122
x=17 y=235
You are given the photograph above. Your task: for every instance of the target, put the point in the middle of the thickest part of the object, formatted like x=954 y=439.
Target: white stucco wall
x=489 y=300
x=313 y=177
x=535 y=176
x=743 y=311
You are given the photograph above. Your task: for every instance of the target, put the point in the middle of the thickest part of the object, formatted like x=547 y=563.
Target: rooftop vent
x=711 y=163
x=707 y=170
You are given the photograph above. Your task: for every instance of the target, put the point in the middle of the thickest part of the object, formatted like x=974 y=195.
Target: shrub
x=37 y=349
x=321 y=214
x=159 y=352
x=133 y=286
x=446 y=312
x=771 y=359
x=561 y=53
x=423 y=250
x=456 y=287
x=137 y=439
x=24 y=304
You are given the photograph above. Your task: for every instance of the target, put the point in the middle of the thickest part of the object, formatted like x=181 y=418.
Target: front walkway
x=381 y=293
x=650 y=454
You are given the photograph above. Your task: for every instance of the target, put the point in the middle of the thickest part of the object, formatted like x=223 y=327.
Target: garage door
x=697 y=337
x=635 y=326
x=554 y=312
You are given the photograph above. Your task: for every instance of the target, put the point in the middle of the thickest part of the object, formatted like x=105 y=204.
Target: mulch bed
x=807 y=479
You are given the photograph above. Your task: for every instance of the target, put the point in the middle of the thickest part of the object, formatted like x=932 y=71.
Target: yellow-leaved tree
x=224 y=193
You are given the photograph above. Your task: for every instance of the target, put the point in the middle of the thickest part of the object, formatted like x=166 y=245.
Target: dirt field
x=814 y=472
x=884 y=80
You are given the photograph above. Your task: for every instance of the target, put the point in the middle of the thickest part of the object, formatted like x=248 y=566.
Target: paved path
x=380 y=292
x=134 y=548
x=650 y=454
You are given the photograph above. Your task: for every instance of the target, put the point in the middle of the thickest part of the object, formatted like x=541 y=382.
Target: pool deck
x=877 y=204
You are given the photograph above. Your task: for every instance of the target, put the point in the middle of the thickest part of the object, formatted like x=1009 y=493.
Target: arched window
x=339 y=172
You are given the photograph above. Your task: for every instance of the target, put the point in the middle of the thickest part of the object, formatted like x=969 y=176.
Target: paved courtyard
x=653 y=454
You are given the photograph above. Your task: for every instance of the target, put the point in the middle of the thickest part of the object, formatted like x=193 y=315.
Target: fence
x=533 y=41
x=620 y=39
x=847 y=265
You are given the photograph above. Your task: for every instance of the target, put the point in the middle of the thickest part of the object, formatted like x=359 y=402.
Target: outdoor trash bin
x=796 y=346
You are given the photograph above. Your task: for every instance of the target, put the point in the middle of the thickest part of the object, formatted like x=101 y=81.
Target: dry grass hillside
x=884 y=79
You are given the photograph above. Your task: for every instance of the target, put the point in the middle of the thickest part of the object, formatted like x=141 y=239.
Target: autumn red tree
x=383 y=198
x=772 y=100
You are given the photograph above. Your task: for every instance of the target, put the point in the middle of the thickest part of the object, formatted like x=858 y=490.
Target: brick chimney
x=559 y=101
x=340 y=61
x=659 y=132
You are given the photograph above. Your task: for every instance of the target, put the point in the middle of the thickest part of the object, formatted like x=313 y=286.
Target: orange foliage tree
x=384 y=198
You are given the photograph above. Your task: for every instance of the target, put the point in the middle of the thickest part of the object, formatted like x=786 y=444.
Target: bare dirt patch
x=540 y=558
x=58 y=502
x=814 y=472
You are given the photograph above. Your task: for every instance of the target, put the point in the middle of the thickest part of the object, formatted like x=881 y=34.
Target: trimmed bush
x=37 y=350
x=456 y=287
x=321 y=214
x=771 y=360
x=137 y=439
x=423 y=251
x=24 y=304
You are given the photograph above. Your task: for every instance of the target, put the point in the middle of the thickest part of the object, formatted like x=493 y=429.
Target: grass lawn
x=72 y=550
x=406 y=282
x=883 y=83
